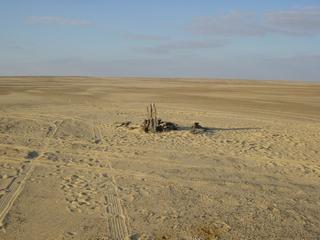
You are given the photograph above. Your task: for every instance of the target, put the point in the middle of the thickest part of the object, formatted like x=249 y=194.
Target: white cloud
x=304 y=21
x=57 y=20
x=233 y=23
x=299 y=21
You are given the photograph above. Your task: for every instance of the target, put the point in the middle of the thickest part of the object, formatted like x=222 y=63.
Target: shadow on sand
x=211 y=129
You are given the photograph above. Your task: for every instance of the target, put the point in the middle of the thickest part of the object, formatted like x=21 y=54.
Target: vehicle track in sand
x=116 y=217
x=16 y=186
x=13 y=191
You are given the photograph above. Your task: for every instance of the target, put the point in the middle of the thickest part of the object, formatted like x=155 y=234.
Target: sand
x=67 y=171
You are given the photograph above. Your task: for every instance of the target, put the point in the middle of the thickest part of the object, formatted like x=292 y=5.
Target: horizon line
x=161 y=77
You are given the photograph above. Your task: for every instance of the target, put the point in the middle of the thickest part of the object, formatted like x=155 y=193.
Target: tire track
x=116 y=218
x=16 y=186
x=13 y=190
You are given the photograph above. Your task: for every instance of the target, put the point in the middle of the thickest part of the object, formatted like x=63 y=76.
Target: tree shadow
x=212 y=129
x=233 y=129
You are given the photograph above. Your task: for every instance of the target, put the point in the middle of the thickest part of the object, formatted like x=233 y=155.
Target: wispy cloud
x=57 y=20
x=233 y=23
x=299 y=21
x=303 y=21
x=169 y=47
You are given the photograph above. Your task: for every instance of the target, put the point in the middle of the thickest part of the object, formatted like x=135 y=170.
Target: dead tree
x=151 y=122
x=154 y=124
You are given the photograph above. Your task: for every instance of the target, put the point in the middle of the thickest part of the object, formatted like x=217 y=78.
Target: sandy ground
x=67 y=172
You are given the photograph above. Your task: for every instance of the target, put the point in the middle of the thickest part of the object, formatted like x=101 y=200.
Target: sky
x=247 y=39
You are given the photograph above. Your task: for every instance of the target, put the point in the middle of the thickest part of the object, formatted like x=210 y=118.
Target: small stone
x=4 y=176
x=32 y=155
x=135 y=236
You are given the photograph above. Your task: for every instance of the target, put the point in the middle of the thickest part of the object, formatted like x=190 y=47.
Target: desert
x=68 y=170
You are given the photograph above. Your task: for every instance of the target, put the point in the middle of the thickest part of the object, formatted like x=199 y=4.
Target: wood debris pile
x=154 y=124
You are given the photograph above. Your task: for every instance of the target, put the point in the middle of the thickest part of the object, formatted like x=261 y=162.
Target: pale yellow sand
x=255 y=176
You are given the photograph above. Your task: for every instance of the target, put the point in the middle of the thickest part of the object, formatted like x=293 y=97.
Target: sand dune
x=67 y=172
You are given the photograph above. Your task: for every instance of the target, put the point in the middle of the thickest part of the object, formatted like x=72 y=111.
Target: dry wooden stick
x=155 y=117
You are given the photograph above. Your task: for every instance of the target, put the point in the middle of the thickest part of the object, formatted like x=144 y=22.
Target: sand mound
x=72 y=128
x=23 y=127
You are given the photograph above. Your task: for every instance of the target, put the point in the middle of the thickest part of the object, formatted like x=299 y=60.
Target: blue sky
x=169 y=38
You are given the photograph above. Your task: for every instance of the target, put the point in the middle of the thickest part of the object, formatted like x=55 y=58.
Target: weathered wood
x=197 y=128
x=154 y=124
x=155 y=117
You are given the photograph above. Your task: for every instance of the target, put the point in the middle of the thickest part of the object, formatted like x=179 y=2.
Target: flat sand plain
x=67 y=171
